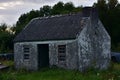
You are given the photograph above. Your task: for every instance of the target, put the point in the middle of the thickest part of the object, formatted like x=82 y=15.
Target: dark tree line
x=6 y=38
x=109 y=13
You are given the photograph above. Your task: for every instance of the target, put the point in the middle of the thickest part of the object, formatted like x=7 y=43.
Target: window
x=26 y=56
x=61 y=52
x=26 y=50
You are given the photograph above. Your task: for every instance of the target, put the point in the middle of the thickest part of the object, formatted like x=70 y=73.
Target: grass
x=61 y=74
x=7 y=62
x=48 y=74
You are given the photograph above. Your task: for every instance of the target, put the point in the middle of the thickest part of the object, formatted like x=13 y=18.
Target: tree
x=112 y=4
x=6 y=43
x=58 y=8
x=32 y=14
x=45 y=11
x=3 y=26
x=69 y=7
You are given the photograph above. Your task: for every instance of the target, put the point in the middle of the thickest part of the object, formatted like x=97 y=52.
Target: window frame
x=26 y=56
x=26 y=48
x=26 y=51
x=61 y=52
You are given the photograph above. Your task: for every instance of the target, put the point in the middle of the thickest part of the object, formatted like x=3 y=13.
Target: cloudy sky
x=10 y=10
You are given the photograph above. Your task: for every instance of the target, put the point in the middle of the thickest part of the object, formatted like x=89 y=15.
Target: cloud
x=39 y=1
x=2 y=8
x=10 y=10
x=9 y=19
x=10 y=4
x=80 y=2
x=2 y=1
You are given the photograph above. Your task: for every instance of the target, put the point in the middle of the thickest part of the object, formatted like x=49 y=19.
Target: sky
x=10 y=10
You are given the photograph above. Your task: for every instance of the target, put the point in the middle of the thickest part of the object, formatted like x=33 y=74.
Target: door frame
x=45 y=55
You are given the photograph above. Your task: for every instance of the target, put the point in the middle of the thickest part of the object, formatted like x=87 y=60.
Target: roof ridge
x=54 y=16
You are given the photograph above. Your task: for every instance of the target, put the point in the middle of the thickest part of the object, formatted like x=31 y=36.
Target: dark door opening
x=43 y=55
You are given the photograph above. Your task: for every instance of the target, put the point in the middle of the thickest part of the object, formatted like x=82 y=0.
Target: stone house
x=74 y=41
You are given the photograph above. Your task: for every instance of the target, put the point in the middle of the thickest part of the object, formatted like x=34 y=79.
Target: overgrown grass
x=48 y=74
x=7 y=62
x=61 y=74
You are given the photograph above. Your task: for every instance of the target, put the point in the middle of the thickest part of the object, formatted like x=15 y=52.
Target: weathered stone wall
x=85 y=50
x=104 y=40
x=20 y=62
x=94 y=47
x=71 y=55
x=53 y=55
x=32 y=63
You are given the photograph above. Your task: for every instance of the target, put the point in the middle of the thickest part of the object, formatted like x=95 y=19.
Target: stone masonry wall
x=94 y=47
x=32 y=63
x=71 y=55
x=20 y=62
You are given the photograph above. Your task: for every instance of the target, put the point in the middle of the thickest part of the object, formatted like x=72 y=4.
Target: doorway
x=43 y=55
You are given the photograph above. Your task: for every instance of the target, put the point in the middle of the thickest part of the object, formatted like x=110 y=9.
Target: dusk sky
x=10 y=10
